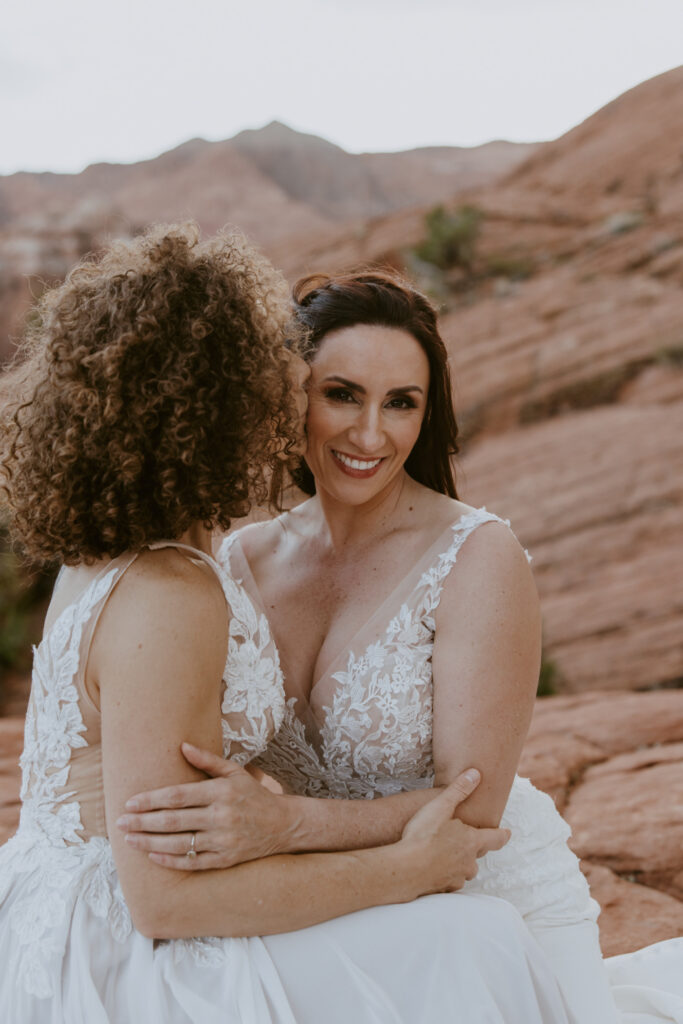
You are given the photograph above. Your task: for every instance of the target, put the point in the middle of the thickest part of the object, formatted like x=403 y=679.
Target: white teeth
x=357 y=463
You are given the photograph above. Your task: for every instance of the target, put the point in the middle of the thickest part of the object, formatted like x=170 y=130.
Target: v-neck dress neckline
x=313 y=707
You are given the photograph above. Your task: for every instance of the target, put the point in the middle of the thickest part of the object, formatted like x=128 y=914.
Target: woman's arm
x=238 y=819
x=157 y=659
x=486 y=659
x=486 y=662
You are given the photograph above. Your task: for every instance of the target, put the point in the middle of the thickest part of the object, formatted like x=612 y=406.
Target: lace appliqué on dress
x=376 y=739
x=253 y=704
x=376 y=736
x=47 y=847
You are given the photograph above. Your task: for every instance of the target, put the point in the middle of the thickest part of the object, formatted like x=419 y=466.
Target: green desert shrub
x=450 y=237
x=23 y=589
x=548 y=677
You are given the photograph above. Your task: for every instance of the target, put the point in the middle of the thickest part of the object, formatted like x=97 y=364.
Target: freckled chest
x=315 y=603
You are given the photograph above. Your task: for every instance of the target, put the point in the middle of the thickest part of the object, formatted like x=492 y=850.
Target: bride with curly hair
x=157 y=393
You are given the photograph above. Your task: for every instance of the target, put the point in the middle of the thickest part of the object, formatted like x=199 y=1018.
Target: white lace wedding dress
x=71 y=955
x=366 y=732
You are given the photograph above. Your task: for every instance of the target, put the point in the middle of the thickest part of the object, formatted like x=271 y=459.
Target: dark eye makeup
x=338 y=394
x=345 y=396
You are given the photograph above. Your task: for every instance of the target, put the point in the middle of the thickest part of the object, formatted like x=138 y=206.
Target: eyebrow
x=359 y=387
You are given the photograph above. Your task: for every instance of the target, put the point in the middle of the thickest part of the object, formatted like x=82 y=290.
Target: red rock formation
x=597 y=497
x=277 y=185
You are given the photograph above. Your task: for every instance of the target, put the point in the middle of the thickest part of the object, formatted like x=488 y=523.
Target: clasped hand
x=234 y=818
x=232 y=823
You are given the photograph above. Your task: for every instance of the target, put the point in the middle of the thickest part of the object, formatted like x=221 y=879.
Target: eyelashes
x=342 y=395
x=345 y=397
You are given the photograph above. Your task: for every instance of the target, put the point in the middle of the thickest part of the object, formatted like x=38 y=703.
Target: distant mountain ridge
x=273 y=182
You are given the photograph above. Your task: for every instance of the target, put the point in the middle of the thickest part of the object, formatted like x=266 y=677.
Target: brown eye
x=402 y=402
x=342 y=395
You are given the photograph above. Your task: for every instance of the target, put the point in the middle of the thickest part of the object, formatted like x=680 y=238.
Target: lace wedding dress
x=366 y=732
x=71 y=955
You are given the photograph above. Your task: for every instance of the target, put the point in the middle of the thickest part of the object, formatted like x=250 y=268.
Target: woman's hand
x=446 y=848
x=232 y=816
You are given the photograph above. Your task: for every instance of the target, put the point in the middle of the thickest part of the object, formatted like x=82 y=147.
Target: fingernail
x=189 y=746
x=472 y=775
x=122 y=822
x=132 y=804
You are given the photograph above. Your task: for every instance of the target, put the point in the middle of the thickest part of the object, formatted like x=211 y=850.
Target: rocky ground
x=614 y=765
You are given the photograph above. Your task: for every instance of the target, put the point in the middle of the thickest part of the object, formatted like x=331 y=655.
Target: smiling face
x=367 y=399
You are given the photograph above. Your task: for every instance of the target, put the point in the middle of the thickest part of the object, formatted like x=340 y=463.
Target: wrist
x=405 y=872
x=298 y=832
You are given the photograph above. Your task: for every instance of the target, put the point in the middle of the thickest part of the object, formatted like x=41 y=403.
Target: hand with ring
x=215 y=823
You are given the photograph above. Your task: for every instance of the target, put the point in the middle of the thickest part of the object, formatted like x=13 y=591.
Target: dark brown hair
x=323 y=304
x=151 y=392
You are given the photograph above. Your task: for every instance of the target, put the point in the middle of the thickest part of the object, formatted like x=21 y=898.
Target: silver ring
x=192 y=853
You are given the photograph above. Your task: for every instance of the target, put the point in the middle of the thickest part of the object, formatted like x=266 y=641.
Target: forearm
x=321 y=825
x=276 y=894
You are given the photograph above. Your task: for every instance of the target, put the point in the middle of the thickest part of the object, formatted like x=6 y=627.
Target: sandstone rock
x=597 y=498
x=657 y=384
x=645 y=789
x=561 y=342
x=610 y=723
x=11 y=743
x=604 y=162
x=632 y=915
x=554 y=766
x=11 y=739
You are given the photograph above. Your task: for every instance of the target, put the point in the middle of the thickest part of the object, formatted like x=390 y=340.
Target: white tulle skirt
x=70 y=955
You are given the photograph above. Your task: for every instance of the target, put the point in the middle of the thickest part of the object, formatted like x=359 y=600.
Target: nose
x=366 y=434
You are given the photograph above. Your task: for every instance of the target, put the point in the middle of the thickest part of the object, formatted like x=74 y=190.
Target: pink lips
x=358 y=473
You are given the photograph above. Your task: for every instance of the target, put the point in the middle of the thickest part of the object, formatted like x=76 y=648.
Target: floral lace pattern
x=48 y=866
x=254 y=700
x=48 y=853
x=376 y=736
x=54 y=723
x=376 y=739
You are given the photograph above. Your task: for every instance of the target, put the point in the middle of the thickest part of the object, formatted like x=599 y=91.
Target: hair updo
x=323 y=304
x=150 y=392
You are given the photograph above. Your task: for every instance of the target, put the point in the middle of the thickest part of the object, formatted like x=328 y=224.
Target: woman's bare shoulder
x=260 y=541
x=437 y=510
x=165 y=610
x=166 y=587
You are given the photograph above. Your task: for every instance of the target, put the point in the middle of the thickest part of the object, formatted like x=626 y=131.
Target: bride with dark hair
x=408 y=631
x=159 y=390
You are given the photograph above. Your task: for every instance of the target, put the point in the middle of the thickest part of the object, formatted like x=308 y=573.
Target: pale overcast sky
x=83 y=81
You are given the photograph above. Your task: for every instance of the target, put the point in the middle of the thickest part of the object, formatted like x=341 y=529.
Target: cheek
x=407 y=434
x=323 y=420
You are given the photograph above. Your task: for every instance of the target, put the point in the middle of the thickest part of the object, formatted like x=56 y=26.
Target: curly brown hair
x=151 y=391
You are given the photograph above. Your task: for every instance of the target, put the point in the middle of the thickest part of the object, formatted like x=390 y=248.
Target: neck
x=347 y=525
x=197 y=536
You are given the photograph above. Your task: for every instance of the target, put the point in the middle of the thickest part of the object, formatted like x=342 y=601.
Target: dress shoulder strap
x=431 y=583
x=195 y=553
